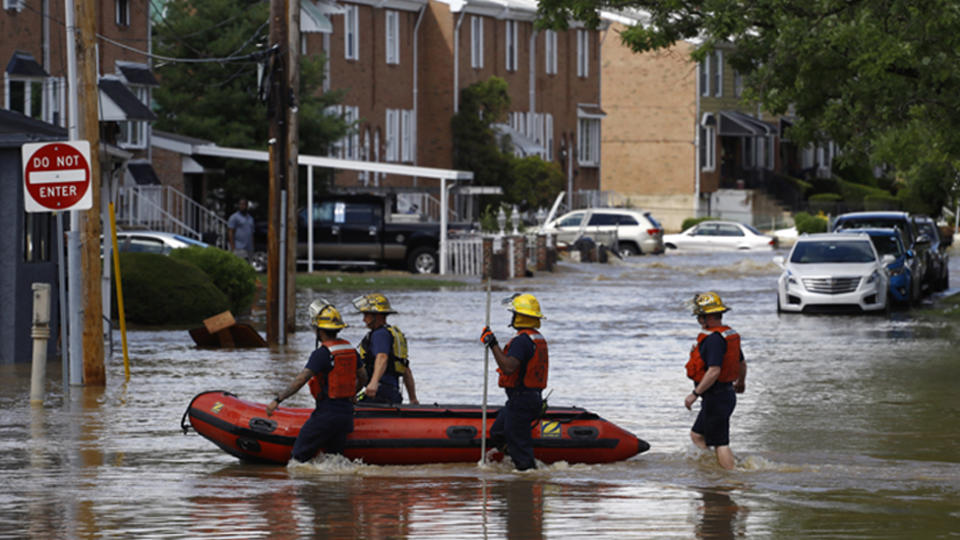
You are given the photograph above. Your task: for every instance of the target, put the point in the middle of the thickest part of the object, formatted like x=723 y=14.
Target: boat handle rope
x=184 y=426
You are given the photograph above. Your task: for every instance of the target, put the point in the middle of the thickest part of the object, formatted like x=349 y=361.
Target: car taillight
x=653 y=232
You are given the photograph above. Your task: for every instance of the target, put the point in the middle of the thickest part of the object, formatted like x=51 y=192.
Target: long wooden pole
x=292 y=63
x=486 y=371
x=278 y=162
x=90 y=227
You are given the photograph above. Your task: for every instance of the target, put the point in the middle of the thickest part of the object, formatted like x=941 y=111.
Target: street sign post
x=56 y=176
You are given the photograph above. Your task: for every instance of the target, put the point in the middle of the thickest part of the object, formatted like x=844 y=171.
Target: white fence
x=166 y=209
x=465 y=255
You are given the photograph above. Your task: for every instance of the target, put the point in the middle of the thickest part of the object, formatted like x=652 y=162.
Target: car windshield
x=832 y=251
x=752 y=229
x=887 y=245
x=876 y=223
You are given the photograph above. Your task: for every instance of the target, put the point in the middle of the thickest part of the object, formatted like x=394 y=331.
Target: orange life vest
x=730 y=369
x=534 y=373
x=341 y=381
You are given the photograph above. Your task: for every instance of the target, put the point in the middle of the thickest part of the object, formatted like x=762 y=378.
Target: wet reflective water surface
x=848 y=428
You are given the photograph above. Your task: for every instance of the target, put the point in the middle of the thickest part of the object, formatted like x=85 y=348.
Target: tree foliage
x=529 y=182
x=220 y=100
x=877 y=77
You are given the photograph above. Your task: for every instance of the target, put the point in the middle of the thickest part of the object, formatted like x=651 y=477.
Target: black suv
x=917 y=244
x=938 y=259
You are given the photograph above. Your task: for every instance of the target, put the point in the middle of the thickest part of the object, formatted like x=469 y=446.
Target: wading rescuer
x=719 y=373
x=523 y=365
x=335 y=374
x=384 y=353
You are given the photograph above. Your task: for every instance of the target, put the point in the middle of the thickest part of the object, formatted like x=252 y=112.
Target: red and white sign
x=56 y=176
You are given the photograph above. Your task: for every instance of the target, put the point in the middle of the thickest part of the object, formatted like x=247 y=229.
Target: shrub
x=807 y=223
x=691 y=221
x=881 y=202
x=231 y=274
x=824 y=202
x=158 y=289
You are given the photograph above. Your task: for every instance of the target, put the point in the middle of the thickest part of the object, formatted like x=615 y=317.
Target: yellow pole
x=116 y=277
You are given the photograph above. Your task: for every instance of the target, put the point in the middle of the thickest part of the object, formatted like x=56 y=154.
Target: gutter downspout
x=533 y=72
x=696 y=148
x=603 y=37
x=416 y=88
x=456 y=63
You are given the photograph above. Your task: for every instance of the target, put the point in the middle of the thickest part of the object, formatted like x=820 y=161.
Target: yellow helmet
x=526 y=310
x=324 y=315
x=708 y=302
x=372 y=303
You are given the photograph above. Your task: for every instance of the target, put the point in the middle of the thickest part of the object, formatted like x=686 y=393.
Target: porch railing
x=167 y=209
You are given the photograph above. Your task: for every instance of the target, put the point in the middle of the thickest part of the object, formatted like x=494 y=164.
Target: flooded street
x=848 y=428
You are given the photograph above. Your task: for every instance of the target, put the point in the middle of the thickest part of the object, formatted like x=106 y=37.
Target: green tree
x=879 y=78
x=528 y=182
x=212 y=91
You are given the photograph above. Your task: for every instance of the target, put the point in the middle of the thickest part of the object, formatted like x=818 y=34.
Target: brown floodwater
x=848 y=428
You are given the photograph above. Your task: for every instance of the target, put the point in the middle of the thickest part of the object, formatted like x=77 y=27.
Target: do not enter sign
x=56 y=176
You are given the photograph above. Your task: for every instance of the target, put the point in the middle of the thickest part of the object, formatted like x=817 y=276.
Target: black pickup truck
x=355 y=230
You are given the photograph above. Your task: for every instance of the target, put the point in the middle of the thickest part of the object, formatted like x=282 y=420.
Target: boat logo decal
x=550 y=429
x=217 y=407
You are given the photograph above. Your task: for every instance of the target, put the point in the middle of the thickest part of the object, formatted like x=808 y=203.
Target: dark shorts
x=713 y=422
x=326 y=429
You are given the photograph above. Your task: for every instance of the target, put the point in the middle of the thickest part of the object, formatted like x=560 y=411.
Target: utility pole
x=88 y=123
x=293 y=144
x=282 y=112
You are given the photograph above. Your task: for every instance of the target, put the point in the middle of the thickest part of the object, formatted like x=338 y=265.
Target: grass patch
x=383 y=280
x=945 y=309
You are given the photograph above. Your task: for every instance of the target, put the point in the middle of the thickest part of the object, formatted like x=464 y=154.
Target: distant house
x=680 y=142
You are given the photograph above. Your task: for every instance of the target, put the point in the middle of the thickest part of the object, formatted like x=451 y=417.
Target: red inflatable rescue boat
x=404 y=434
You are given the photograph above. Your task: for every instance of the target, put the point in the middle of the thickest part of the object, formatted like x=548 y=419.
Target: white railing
x=167 y=209
x=465 y=255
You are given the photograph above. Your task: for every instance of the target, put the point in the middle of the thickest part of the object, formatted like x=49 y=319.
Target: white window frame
x=348 y=147
x=122 y=12
x=133 y=133
x=548 y=128
x=705 y=78
x=708 y=145
x=476 y=41
x=351 y=32
x=588 y=142
x=737 y=84
x=718 y=73
x=550 y=52
x=53 y=99
x=511 y=45
x=408 y=135
x=392 y=39
x=583 y=53
x=31 y=85
x=392 y=134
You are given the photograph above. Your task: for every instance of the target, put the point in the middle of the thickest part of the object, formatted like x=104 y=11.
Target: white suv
x=637 y=232
x=831 y=272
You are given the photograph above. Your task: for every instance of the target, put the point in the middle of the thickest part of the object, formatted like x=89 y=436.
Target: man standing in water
x=384 y=353
x=523 y=366
x=719 y=372
x=240 y=231
x=335 y=375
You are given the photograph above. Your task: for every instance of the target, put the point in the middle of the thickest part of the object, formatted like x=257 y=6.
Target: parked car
x=912 y=239
x=637 y=231
x=830 y=272
x=719 y=235
x=154 y=242
x=938 y=258
x=888 y=242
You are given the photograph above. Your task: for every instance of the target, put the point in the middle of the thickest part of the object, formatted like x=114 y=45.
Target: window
x=737 y=84
x=133 y=133
x=725 y=229
x=408 y=130
x=14 y=4
x=25 y=95
x=603 y=219
x=393 y=36
x=573 y=220
x=708 y=148
x=37 y=228
x=349 y=146
x=588 y=141
x=122 y=12
x=393 y=135
x=511 y=45
x=548 y=123
x=550 y=51
x=705 y=77
x=476 y=42
x=771 y=160
x=718 y=73
x=583 y=53
x=351 y=31
x=53 y=101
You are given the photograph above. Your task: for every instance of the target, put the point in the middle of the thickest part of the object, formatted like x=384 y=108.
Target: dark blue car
x=888 y=242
